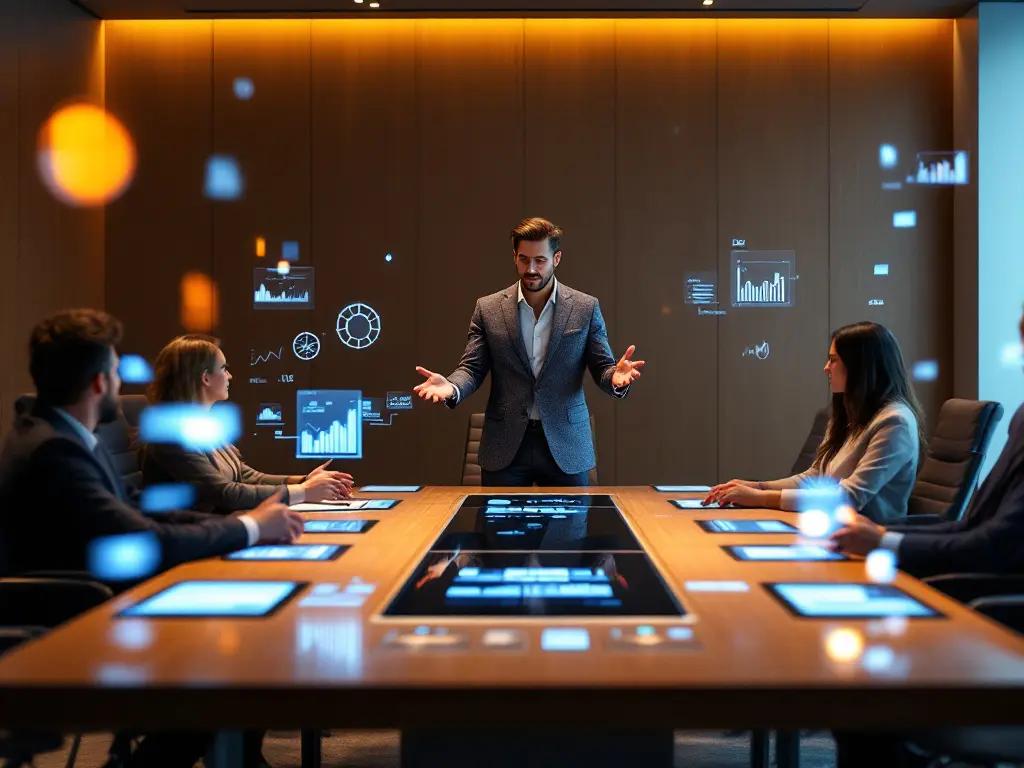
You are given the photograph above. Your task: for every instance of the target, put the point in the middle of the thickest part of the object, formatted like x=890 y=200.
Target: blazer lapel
x=99 y=453
x=510 y=311
x=995 y=484
x=563 y=308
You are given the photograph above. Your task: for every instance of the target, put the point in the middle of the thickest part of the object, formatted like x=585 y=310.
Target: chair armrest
x=47 y=602
x=1008 y=610
x=971 y=586
x=12 y=637
x=921 y=520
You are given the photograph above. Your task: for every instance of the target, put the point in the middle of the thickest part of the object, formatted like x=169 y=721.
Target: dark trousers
x=875 y=750
x=533 y=463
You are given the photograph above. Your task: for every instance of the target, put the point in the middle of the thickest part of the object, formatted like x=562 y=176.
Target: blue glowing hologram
x=293 y=289
x=167 y=497
x=888 y=156
x=565 y=639
x=244 y=88
x=306 y=345
x=904 y=219
x=388 y=258
x=192 y=426
x=881 y=269
x=941 y=168
x=358 y=326
x=880 y=566
x=269 y=414
x=330 y=425
x=125 y=557
x=290 y=250
x=134 y=369
x=223 y=178
x=926 y=370
x=763 y=278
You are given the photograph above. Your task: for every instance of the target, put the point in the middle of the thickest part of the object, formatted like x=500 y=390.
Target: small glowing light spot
x=388 y=257
x=244 y=89
x=815 y=523
x=709 y=2
x=844 y=645
x=904 y=219
x=878 y=659
x=134 y=369
x=888 y=156
x=1012 y=355
x=85 y=155
x=881 y=269
x=261 y=247
x=167 y=497
x=880 y=566
x=846 y=515
x=926 y=370
x=283 y=267
x=375 y=5
x=223 y=178
x=200 y=303
x=125 y=557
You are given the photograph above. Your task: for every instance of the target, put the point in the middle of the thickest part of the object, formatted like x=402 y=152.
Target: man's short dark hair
x=534 y=230
x=69 y=350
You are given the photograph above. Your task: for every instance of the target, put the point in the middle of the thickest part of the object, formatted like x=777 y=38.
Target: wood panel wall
x=51 y=254
x=653 y=143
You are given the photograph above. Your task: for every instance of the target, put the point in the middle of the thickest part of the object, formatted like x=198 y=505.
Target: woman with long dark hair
x=192 y=369
x=873 y=439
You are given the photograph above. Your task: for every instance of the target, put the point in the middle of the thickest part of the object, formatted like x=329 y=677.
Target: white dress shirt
x=252 y=528
x=536 y=333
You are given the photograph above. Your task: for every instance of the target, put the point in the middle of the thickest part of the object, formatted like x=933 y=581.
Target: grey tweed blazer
x=579 y=341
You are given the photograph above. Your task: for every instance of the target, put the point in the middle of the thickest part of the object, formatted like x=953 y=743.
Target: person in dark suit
x=59 y=491
x=536 y=338
x=52 y=461
x=193 y=369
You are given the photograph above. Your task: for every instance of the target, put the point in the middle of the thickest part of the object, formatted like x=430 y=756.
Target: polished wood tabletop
x=751 y=662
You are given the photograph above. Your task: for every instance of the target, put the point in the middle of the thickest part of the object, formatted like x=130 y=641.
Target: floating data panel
x=794 y=553
x=763 y=278
x=941 y=168
x=216 y=599
x=523 y=500
x=329 y=424
x=301 y=552
x=531 y=584
x=746 y=526
x=531 y=528
x=272 y=289
x=338 y=526
x=849 y=601
x=391 y=488
x=701 y=288
x=681 y=488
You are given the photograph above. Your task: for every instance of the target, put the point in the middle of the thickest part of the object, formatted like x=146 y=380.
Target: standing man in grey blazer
x=537 y=338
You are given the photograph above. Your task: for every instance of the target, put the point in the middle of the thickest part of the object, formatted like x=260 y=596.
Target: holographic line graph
x=255 y=359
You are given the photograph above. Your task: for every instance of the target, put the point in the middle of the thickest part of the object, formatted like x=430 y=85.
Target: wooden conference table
x=750 y=662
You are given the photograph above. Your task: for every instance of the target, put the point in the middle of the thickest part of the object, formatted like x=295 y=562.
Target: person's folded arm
x=74 y=482
x=475 y=364
x=892 y=445
x=991 y=547
x=211 y=487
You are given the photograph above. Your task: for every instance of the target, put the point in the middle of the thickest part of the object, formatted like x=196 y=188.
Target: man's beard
x=543 y=283
x=108 y=408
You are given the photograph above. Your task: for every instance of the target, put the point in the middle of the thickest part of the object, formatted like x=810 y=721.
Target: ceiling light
x=706 y=2
x=359 y=1
x=375 y=5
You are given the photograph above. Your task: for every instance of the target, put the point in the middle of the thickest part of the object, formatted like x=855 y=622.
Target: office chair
x=471 y=472
x=806 y=456
x=949 y=470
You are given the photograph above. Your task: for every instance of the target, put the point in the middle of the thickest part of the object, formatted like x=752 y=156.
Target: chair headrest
x=964 y=428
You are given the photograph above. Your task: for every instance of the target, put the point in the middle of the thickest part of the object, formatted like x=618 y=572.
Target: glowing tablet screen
x=248 y=599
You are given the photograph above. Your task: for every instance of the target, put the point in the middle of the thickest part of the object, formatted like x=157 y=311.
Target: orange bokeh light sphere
x=200 y=303
x=85 y=155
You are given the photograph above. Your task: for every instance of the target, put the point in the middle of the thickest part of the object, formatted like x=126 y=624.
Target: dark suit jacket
x=579 y=341
x=56 y=497
x=222 y=481
x=989 y=538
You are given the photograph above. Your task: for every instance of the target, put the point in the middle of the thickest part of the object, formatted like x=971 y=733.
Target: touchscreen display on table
x=547 y=584
x=241 y=599
x=849 y=601
x=694 y=504
x=338 y=526
x=798 y=553
x=529 y=501
x=305 y=552
x=746 y=526
x=537 y=528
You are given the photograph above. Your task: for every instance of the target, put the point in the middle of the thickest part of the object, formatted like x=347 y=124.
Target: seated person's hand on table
x=858 y=537
x=345 y=478
x=327 y=486
x=277 y=523
x=743 y=493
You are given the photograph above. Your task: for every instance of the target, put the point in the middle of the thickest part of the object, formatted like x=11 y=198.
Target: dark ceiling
x=205 y=9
